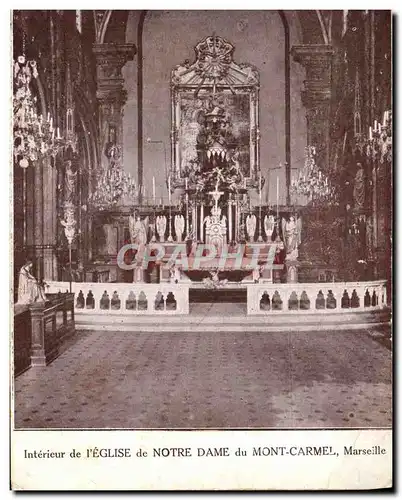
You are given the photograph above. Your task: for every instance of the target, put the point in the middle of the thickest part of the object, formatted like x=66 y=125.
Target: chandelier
x=311 y=182
x=34 y=136
x=378 y=145
x=114 y=184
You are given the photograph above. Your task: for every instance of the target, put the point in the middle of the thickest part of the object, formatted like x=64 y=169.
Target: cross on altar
x=216 y=195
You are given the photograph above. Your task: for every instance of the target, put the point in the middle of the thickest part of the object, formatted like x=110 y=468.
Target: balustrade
x=120 y=298
x=315 y=298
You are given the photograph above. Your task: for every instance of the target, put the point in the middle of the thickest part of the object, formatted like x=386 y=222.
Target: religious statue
x=161 y=227
x=213 y=280
x=70 y=180
x=251 y=224
x=29 y=290
x=175 y=274
x=291 y=230
x=269 y=224
x=179 y=227
x=257 y=274
x=359 y=188
x=138 y=230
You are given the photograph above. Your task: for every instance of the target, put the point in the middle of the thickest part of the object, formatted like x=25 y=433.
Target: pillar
x=111 y=95
x=38 y=356
x=317 y=61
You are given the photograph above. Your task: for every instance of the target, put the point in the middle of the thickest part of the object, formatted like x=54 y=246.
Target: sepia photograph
x=202 y=207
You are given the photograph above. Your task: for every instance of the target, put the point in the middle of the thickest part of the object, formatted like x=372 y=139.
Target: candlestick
x=277 y=198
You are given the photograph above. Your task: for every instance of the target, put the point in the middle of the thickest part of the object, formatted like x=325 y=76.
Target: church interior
x=202 y=218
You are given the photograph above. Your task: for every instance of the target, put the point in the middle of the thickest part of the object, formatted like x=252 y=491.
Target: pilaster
x=111 y=94
x=317 y=61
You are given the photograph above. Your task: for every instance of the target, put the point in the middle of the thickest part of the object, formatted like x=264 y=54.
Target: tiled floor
x=162 y=380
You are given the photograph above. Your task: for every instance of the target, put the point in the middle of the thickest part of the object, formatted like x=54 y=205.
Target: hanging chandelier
x=378 y=144
x=311 y=182
x=34 y=136
x=114 y=184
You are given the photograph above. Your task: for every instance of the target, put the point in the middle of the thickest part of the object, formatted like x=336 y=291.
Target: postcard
x=202 y=226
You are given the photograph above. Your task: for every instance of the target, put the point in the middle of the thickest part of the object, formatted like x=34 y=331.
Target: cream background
x=200 y=473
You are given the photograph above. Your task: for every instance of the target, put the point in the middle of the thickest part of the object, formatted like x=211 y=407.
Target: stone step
x=196 y=323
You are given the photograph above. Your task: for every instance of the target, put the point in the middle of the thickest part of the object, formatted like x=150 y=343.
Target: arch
x=140 y=30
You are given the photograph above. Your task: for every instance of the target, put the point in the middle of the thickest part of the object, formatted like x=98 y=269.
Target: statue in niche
x=161 y=227
x=269 y=224
x=251 y=224
x=29 y=290
x=70 y=180
x=359 y=187
x=291 y=231
x=179 y=227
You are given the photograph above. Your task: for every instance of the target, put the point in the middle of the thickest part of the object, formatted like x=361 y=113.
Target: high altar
x=215 y=166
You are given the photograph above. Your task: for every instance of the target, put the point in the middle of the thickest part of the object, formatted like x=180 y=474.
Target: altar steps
x=234 y=322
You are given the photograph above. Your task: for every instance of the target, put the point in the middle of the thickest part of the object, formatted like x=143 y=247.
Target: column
x=111 y=95
x=317 y=61
x=38 y=355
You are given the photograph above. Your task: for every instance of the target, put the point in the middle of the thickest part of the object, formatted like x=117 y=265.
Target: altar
x=214 y=178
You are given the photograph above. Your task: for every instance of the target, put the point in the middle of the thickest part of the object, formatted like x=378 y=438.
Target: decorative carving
x=69 y=223
x=215 y=228
x=110 y=59
x=214 y=108
x=214 y=66
x=317 y=60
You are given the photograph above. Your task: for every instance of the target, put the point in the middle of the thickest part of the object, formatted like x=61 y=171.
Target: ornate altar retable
x=215 y=166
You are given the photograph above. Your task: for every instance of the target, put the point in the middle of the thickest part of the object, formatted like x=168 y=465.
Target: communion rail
x=316 y=298
x=128 y=298
x=262 y=298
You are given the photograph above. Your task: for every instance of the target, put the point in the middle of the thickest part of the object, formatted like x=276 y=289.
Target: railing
x=268 y=298
x=316 y=298
x=127 y=298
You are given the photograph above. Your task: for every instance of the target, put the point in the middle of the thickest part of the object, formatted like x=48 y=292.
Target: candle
x=384 y=119
x=169 y=193
x=375 y=125
x=186 y=183
x=245 y=183
x=58 y=133
x=153 y=189
x=370 y=134
x=277 y=197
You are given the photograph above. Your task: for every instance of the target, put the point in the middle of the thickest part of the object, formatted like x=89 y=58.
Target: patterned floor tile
x=214 y=379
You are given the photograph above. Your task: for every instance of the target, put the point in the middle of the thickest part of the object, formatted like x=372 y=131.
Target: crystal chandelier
x=311 y=182
x=114 y=184
x=378 y=145
x=34 y=137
